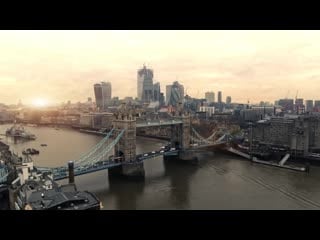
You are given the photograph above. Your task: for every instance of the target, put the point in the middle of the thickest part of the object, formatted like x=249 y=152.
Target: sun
x=39 y=102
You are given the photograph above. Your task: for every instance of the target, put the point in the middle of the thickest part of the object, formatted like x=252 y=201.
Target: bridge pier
x=132 y=171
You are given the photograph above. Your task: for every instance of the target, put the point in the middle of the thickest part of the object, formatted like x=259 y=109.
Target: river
x=219 y=181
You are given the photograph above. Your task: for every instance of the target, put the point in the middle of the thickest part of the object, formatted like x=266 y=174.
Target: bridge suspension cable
x=202 y=139
x=102 y=155
x=93 y=150
x=206 y=140
x=86 y=165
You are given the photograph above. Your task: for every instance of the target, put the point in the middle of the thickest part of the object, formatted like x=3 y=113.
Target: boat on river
x=19 y=131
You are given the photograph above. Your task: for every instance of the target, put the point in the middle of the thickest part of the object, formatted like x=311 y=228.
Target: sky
x=254 y=66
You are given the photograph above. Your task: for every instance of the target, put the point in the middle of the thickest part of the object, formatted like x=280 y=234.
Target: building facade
x=98 y=95
x=96 y=120
x=102 y=92
x=300 y=133
x=174 y=94
x=145 y=84
x=156 y=92
x=317 y=105
x=219 y=97
x=209 y=97
x=228 y=100
x=106 y=94
x=286 y=104
x=256 y=113
x=208 y=110
x=299 y=106
x=309 y=105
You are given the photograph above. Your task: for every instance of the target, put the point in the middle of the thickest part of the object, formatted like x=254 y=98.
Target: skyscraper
x=219 y=97
x=228 y=100
x=286 y=104
x=309 y=105
x=161 y=99
x=145 y=84
x=156 y=92
x=102 y=94
x=106 y=94
x=98 y=95
x=174 y=94
x=299 y=107
x=317 y=105
x=209 y=97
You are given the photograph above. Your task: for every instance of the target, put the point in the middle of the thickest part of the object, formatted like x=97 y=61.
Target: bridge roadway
x=97 y=159
x=158 y=123
x=138 y=125
x=62 y=172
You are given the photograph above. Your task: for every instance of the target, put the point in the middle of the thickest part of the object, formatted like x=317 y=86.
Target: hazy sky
x=64 y=65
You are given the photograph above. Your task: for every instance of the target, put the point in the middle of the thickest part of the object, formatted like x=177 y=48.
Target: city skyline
x=247 y=65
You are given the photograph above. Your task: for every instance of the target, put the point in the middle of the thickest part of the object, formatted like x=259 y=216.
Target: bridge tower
x=180 y=133
x=126 y=146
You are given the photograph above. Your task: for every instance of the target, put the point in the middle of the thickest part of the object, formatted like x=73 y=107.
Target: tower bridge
x=117 y=150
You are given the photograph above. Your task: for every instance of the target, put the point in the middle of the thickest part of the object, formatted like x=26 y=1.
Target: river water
x=219 y=181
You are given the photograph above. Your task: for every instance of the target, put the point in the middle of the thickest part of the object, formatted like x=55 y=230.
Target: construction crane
x=297 y=94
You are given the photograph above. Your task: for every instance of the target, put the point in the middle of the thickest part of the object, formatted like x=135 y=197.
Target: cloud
x=260 y=65
x=7 y=81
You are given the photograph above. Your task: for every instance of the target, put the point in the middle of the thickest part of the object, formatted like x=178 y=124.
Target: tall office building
x=161 y=100
x=309 y=105
x=209 y=97
x=145 y=84
x=174 y=94
x=317 y=105
x=106 y=94
x=98 y=95
x=102 y=94
x=219 y=97
x=299 y=107
x=156 y=92
x=286 y=104
x=228 y=100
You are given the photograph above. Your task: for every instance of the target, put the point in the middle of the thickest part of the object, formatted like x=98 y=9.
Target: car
x=146 y=154
x=161 y=151
x=172 y=149
x=153 y=152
